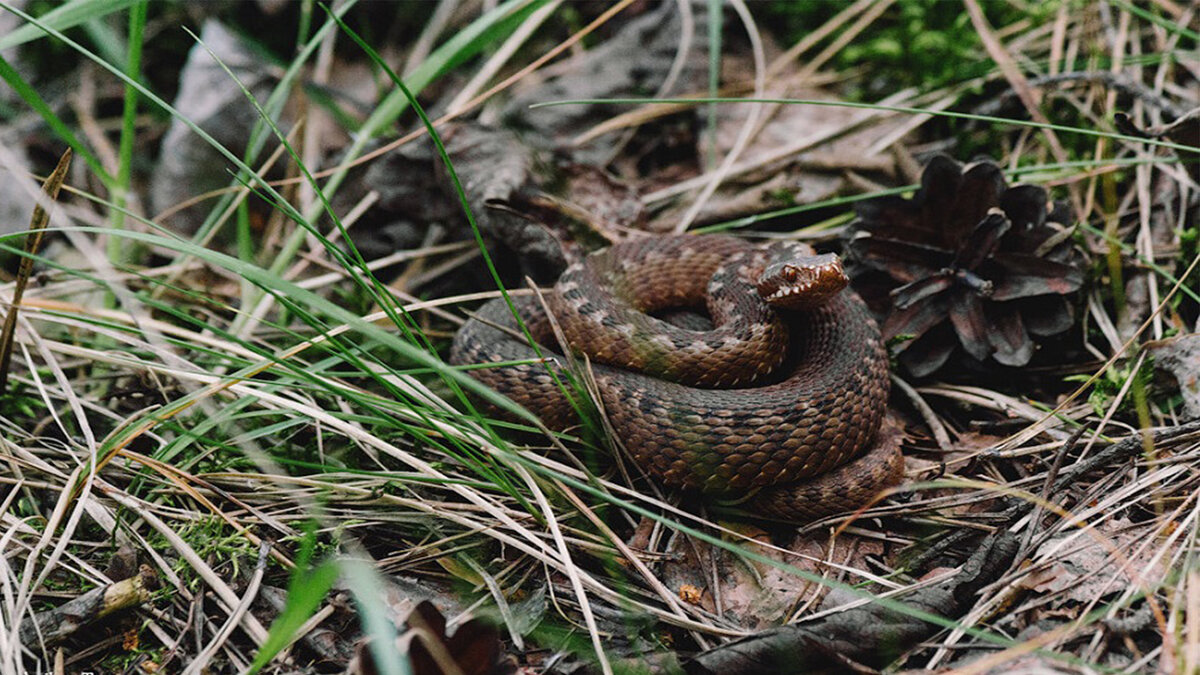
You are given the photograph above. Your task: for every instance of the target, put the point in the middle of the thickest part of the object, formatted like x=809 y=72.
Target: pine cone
x=968 y=260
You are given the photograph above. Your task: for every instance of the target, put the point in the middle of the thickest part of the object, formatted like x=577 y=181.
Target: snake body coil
x=813 y=381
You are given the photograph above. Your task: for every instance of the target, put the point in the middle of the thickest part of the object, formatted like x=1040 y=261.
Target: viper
x=781 y=399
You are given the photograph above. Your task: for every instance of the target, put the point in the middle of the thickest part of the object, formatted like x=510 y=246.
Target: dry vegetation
x=230 y=441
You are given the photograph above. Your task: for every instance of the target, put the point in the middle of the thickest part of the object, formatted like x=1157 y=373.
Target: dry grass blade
x=748 y=126
x=1012 y=73
x=37 y=229
x=242 y=408
x=201 y=662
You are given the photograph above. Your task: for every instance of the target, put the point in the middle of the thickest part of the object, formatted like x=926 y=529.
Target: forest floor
x=233 y=443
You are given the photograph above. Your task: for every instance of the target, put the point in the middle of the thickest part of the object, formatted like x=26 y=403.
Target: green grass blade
x=306 y=592
x=60 y=128
x=369 y=595
x=60 y=18
x=120 y=189
x=877 y=106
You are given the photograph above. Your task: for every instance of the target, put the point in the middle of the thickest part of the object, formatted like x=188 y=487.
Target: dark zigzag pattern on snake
x=804 y=441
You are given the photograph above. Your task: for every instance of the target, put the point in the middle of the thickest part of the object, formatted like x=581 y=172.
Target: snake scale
x=781 y=400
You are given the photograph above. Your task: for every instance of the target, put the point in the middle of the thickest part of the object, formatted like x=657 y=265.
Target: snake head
x=804 y=282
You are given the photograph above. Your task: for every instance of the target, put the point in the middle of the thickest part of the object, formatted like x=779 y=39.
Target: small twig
x=57 y=624
x=1138 y=620
x=931 y=419
x=37 y=228
x=200 y=663
x=1051 y=475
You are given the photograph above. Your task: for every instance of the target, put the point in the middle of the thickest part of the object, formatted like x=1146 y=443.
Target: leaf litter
x=1047 y=531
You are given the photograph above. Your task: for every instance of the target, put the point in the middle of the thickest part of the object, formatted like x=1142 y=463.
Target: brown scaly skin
x=748 y=339
x=786 y=438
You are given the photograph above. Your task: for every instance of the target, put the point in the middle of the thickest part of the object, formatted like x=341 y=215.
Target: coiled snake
x=782 y=398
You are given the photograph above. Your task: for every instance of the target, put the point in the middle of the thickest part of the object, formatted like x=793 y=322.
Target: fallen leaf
x=753 y=594
x=637 y=58
x=473 y=647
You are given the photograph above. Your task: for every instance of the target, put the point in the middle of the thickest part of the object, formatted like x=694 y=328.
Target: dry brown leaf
x=473 y=648
x=754 y=594
x=801 y=155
